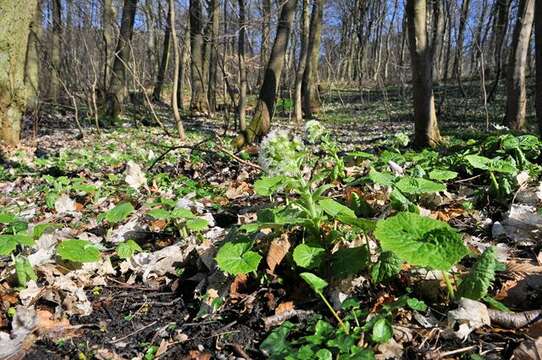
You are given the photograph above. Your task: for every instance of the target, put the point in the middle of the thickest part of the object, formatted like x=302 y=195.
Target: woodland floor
x=189 y=309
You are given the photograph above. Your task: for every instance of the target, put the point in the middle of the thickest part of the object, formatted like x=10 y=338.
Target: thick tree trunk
x=15 y=24
x=198 y=103
x=116 y=91
x=266 y=33
x=426 y=126
x=213 y=53
x=538 y=44
x=157 y=92
x=265 y=106
x=54 y=84
x=305 y=28
x=108 y=16
x=516 y=96
x=242 y=69
x=32 y=65
x=174 y=104
x=311 y=96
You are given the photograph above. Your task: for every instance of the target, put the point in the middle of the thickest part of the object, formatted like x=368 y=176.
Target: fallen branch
x=514 y=320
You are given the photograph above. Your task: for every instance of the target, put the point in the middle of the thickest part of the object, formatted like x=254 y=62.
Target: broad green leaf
x=24 y=270
x=276 y=346
x=416 y=304
x=357 y=353
x=268 y=185
x=364 y=224
x=324 y=354
x=40 y=229
x=480 y=277
x=387 y=266
x=316 y=283
x=308 y=256
x=421 y=241
x=382 y=331
x=78 y=251
x=159 y=214
x=7 y=244
x=494 y=165
x=197 y=224
x=380 y=178
x=182 y=213
x=349 y=261
x=24 y=239
x=333 y=208
x=360 y=155
x=237 y=258
x=128 y=248
x=412 y=185
x=442 y=175
x=322 y=331
x=6 y=218
x=118 y=213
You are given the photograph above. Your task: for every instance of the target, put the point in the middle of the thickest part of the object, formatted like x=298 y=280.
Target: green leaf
x=197 y=224
x=442 y=175
x=128 y=248
x=78 y=251
x=7 y=244
x=268 y=185
x=380 y=178
x=308 y=256
x=333 y=208
x=119 y=213
x=24 y=239
x=349 y=261
x=387 y=266
x=421 y=241
x=412 y=185
x=360 y=155
x=276 y=346
x=416 y=304
x=40 y=229
x=6 y=218
x=316 y=283
x=324 y=354
x=494 y=165
x=480 y=277
x=237 y=258
x=322 y=331
x=159 y=214
x=382 y=331
x=182 y=213
x=24 y=270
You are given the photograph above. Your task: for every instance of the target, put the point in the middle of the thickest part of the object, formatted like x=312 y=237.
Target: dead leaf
x=51 y=327
x=198 y=355
x=238 y=283
x=469 y=316
x=277 y=251
x=529 y=349
x=284 y=307
x=164 y=345
x=158 y=225
x=64 y=204
x=135 y=177
x=236 y=190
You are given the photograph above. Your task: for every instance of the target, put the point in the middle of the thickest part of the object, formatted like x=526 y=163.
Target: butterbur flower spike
x=314 y=131
x=279 y=152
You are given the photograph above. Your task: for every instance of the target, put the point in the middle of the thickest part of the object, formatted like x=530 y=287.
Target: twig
x=239 y=350
x=457 y=351
x=133 y=333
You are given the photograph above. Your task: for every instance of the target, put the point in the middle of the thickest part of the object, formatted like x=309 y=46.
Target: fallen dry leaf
x=237 y=284
x=529 y=349
x=284 y=307
x=277 y=251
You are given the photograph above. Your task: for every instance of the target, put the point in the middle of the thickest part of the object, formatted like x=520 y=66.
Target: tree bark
x=174 y=104
x=116 y=91
x=157 y=92
x=152 y=38
x=198 y=102
x=516 y=97
x=54 y=84
x=15 y=24
x=213 y=56
x=108 y=23
x=499 y=34
x=458 y=60
x=305 y=28
x=266 y=33
x=538 y=44
x=32 y=64
x=426 y=126
x=265 y=105
x=242 y=68
x=185 y=58
x=311 y=96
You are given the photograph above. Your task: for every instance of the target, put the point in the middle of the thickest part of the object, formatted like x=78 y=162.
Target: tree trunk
x=265 y=106
x=305 y=28
x=538 y=44
x=266 y=33
x=174 y=104
x=157 y=92
x=311 y=97
x=198 y=103
x=426 y=126
x=150 y=21
x=185 y=58
x=15 y=24
x=458 y=60
x=54 y=84
x=242 y=69
x=500 y=27
x=32 y=65
x=213 y=56
x=516 y=97
x=108 y=16
x=116 y=91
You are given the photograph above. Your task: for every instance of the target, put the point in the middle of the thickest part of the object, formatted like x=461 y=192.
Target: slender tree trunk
x=54 y=84
x=15 y=22
x=500 y=28
x=426 y=126
x=185 y=58
x=108 y=16
x=152 y=39
x=213 y=56
x=438 y=32
x=116 y=91
x=516 y=97
x=538 y=44
x=242 y=69
x=305 y=28
x=198 y=103
x=310 y=94
x=266 y=33
x=174 y=104
x=265 y=106
x=458 y=60
x=32 y=65
x=157 y=92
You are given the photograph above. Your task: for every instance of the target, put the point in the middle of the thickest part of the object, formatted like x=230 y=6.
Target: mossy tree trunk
x=426 y=132
x=32 y=64
x=538 y=44
x=265 y=106
x=198 y=102
x=116 y=90
x=516 y=95
x=311 y=96
x=17 y=16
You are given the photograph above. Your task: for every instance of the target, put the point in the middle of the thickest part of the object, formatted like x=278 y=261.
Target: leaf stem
x=448 y=284
x=333 y=312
